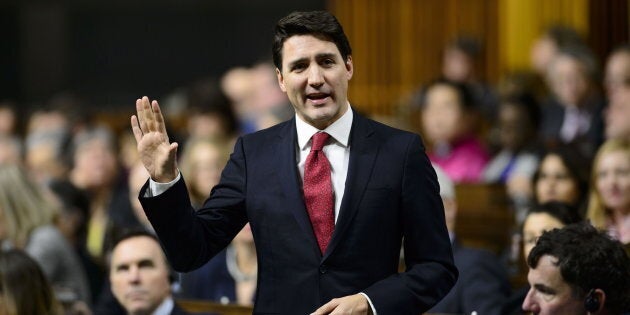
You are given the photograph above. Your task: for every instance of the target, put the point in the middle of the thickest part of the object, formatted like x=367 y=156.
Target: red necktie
x=318 y=193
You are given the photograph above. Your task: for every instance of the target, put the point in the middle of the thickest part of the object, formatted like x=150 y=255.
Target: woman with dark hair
x=562 y=176
x=24 y=288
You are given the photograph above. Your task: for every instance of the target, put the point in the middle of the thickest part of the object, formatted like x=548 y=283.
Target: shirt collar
x=339 y=130
x=166 y=307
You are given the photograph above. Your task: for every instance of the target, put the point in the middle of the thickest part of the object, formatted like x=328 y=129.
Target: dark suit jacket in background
x=391 y=191
x=482 y=286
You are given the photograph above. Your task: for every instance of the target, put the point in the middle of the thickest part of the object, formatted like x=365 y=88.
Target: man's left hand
x=348 y=305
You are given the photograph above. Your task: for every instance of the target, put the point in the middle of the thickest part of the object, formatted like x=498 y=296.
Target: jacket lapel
x=363 y=151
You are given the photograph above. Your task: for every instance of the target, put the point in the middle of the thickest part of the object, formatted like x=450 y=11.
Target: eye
x=298 y=67
x=328 y=62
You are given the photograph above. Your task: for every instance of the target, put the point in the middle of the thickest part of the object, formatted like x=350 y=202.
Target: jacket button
x=323 y=269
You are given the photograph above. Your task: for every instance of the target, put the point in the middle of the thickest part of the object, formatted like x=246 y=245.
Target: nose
x=315 y=77
x=529 y=304
x=134 y=275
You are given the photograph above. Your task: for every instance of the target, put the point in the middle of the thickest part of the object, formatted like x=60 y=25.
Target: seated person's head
x=570 y=76
x=139 y=273
x=23 y=287
x=578 y=270
x=519 y=117
x=447 y=112
x=460 y=58
x=546 y=217
x=562 y=175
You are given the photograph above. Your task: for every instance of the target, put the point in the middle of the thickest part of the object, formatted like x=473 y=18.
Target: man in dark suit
x=483 y=285
x=140 y=276
x=330 y=195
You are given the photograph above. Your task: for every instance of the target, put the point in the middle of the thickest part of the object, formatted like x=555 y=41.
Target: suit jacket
x=482 y=286
x=391 y=191
x=178 y=310
x=553 y=113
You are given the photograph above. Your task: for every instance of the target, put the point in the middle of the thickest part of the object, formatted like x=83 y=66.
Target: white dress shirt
x=337 y=151
x=165 y=308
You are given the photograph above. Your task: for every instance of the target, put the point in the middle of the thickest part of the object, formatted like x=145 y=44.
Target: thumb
x=172 y=150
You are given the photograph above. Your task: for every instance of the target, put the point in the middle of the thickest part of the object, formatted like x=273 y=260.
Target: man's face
x=315 y=78
x=139 y=275
x=549 y=293
x=617 y=73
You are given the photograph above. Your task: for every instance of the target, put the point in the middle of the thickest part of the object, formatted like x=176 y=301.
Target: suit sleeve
x=190 y=238
x=485 y=285
x=430 y=272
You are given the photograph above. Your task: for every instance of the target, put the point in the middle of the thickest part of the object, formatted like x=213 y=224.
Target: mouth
x=318 y=98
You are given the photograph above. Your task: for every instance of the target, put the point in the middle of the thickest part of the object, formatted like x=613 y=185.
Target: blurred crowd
x=557 y=138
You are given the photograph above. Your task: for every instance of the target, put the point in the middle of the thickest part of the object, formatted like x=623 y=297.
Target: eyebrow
x=318 y=56
x=543 y=288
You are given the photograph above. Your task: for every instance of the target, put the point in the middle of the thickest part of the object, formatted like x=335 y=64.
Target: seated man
x=483 y=284
x=578 y=270
x=140 y=276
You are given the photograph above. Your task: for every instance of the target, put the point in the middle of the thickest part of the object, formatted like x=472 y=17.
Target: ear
x=280 y=80
x=600 y=295
x=349 y=67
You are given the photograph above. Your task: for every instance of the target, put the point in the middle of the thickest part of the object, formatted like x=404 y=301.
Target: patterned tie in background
x=318 y=193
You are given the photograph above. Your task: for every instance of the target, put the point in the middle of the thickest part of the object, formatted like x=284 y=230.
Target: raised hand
x=158 y=155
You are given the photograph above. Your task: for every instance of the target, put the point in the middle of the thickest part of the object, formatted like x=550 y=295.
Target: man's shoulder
x=380 y=128
x=281 y=129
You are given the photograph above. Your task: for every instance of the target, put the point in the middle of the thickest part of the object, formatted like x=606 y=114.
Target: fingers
x=150 y=116
x=137 y=133
x=327 y=308
x=159 y=118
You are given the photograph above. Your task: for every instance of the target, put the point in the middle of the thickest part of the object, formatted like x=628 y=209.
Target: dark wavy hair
x=588 y=259
x=320 y=24
x=563 y=212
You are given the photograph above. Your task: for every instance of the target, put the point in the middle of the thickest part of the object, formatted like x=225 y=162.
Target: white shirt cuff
x=369 y=302
x=156 y=189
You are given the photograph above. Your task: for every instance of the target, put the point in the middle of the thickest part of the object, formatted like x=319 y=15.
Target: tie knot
x=318 y=141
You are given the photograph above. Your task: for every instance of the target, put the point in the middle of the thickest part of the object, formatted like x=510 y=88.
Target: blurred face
x=534 y=226
x=617 y=73
x=442 y=116
x=139 y=275
x=616 y=115
x=613 y=180
x=7 y=121
x=94 y=165
x=457 y=66
x=208 y=162
x=568 y=81
x=206 y=126
x=549 y=293
x=513 y=125
x=315 y=78
x=543 y=51
x=555 y=182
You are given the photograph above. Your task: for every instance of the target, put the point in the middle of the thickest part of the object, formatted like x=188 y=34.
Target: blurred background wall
x=111 y=52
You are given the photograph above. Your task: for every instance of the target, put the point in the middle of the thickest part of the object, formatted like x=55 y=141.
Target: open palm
x=158 y=155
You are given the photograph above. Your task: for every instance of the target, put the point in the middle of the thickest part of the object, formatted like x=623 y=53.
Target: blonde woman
x=27 y=222
x=609 y=203
x=230 y=277
x=201 y=165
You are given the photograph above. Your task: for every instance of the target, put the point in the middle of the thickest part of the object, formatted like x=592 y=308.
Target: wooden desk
x=199 y=307
x=484 y=218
